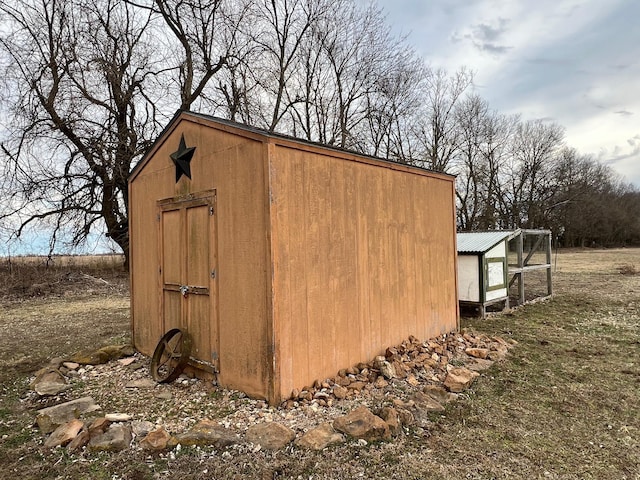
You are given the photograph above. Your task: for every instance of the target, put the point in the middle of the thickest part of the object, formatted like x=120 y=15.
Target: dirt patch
x=563 y=405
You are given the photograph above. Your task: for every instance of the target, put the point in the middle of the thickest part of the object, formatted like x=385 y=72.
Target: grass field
x=564 y=405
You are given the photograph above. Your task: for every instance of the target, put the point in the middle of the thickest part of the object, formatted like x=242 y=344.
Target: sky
x=575 y=62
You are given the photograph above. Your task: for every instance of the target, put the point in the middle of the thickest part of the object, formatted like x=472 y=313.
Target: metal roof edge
x=483 y=242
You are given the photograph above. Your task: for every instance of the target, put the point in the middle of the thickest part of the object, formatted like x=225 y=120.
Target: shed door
x=188 y=271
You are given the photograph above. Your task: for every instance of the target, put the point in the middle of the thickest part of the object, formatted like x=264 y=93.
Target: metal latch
x=184 y=290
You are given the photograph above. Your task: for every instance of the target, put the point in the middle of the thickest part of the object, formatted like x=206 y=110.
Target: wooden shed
x=285 y=260
x=483 y=268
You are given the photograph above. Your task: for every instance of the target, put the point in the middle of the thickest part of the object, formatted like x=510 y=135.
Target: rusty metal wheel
x=170 y=356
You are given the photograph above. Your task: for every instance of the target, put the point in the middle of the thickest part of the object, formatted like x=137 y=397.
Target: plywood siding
x=469 y=278
x=322 y=259
x=235 y=167
x=363 y=257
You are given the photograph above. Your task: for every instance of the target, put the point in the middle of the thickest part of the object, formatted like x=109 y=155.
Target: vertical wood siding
x=234 y=167
x=363 y=257
x=322 y=259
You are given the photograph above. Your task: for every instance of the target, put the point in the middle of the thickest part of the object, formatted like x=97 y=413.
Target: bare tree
x=592 y=205
x=279 y=28
x=529 y=174
x=94 y=83
x=484 y=138
x=205 y=32
x=360 y=51
x=393 y=107
x=437 y=130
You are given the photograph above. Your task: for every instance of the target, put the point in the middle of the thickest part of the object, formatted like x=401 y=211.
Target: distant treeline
x=521 y=174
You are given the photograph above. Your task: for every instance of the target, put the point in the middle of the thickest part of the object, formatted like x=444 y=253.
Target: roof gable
x=266 y=136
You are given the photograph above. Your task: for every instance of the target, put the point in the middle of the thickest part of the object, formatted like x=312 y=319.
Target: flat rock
x=50 y=418
x=157 y=440
x=270 y=435
x=206 y=432
x=115 y=439
x=339 y=392
x=459 y=379
x=99 y=426
x=64 y=433
x=71 y=365
x=50 y=383
x=362 y=423
x=357 y=385
x=81 y=440
x=127 y=361
x=117 y=417
x=141 y=428
x=425 y=402
x=412 y=380
x=144 y=383
x=392 y=419
x=320 y=437
x=477 y=352
x=439 y=394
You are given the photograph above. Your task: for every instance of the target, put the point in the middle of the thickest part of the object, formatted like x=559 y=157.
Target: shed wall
x=363 y=256
x=235 y=167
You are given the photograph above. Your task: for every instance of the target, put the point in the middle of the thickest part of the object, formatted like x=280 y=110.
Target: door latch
x=184 y=290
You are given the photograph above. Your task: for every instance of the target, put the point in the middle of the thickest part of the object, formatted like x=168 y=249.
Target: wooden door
x=188 y=272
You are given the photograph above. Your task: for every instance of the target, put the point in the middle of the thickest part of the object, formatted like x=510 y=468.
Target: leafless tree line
x=88 y=86
x=521 y=174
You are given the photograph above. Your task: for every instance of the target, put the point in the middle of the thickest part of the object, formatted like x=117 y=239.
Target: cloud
x=486 y=37
x=489 y=33
x=574 y=62
x=634 y=140
x=624 y=159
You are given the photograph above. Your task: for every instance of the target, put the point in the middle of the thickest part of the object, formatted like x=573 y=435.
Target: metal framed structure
x=528 y=246
x=490 y=263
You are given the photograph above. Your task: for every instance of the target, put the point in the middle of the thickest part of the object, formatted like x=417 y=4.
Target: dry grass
x=628 y=269
x=564 y=405
x=58 y=275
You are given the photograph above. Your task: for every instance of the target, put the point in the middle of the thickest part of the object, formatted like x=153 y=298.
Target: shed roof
x=254 y=131
x=480 y=242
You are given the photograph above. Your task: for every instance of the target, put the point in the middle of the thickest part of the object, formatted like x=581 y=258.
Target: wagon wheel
x=170 y=356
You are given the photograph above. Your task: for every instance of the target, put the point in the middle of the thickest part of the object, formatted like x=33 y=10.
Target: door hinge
x=158 y=217
x=211 y=211
x=213 y=273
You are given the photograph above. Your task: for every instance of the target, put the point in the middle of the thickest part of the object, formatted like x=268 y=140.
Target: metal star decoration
x=182 y=159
